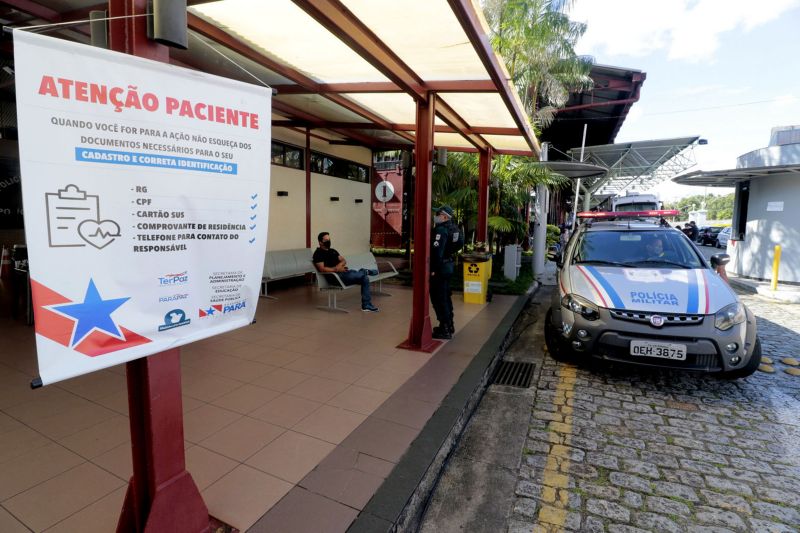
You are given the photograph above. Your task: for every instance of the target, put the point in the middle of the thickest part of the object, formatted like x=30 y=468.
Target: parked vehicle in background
x=723 y=237
x=633 y=201
x=708 y=235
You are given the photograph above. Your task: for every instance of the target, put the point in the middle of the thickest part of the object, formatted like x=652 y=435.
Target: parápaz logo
x=174 y=319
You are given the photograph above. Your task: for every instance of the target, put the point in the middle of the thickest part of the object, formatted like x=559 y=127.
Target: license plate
x=664 y=350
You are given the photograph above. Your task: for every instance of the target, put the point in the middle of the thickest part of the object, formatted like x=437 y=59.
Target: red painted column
x=308 y=187
x=484 y=172
x=162 y=495
x=419 y=333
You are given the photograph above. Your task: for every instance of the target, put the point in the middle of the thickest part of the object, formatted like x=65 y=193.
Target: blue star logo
x=93 y=313
x=210 y=311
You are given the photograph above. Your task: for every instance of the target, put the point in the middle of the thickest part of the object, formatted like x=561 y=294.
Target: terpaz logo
x=170 y=280
x=174 y=319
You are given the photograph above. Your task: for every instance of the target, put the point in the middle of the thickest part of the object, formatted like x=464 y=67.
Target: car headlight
x=729 y=316
x=581 y=306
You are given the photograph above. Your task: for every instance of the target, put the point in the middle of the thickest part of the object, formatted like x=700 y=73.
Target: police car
x=632 y=291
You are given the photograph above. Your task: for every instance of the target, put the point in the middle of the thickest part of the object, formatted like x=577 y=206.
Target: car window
x=636 y=248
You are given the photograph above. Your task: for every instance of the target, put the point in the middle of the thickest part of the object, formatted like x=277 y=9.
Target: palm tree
x=537 y=40
x=456 y=184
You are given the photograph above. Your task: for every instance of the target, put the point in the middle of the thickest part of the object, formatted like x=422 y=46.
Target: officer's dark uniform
x=442 y=267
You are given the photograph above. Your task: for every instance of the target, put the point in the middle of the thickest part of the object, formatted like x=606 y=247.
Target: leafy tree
x=456 y=184
x=537 y=40
x=719 y=207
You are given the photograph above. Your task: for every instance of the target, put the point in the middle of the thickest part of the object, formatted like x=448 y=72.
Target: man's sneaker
x=369 y=308
x=372 y=272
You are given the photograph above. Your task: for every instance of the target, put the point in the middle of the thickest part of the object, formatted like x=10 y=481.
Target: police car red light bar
x=629 y=214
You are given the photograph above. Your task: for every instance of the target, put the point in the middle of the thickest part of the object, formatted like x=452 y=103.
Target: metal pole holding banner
x=161 y=496
x=578 y=184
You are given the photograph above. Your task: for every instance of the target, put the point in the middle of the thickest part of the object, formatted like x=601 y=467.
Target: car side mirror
x=720 y=260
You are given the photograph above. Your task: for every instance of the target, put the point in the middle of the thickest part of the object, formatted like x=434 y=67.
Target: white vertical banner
x=146 y=191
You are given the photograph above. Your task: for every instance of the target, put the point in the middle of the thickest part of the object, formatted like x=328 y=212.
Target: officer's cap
x=445 y=209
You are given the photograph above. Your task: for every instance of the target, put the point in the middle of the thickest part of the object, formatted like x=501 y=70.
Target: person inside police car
x=446 y=241
x=327 y=259
x=654 y=248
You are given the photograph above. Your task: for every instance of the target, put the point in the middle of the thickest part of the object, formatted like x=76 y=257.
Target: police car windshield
x=636 y=248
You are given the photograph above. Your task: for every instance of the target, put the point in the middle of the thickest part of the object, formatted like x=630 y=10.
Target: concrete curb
x=781 y=295
x=399 y=503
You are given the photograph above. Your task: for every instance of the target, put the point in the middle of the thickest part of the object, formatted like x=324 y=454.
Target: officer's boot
x=442 y=331
x=451 y=327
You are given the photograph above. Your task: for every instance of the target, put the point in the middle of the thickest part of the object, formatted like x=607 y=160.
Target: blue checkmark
x=253 y=226
x=252 y=240
x=253 y=217
x=253 y=206
x=254 y=196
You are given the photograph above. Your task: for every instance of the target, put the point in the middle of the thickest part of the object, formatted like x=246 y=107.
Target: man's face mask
x=326 y=244
x=439 y=219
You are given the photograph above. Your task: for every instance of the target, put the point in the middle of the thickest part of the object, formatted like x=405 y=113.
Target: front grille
x=670 y=319
x=701 y=354
x=707 y=362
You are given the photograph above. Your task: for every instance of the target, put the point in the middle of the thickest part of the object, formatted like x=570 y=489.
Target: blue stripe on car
x=692 y=305
x=615 y=299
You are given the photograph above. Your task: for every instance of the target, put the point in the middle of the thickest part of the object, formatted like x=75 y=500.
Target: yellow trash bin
x=477 y=271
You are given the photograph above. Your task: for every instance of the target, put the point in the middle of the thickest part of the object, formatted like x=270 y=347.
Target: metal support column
x=484 y=172
x=308 y=187
x=540 y=222
x=162 y=495
x=419 y=333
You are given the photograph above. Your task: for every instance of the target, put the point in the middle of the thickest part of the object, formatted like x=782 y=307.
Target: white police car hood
x=690 y=291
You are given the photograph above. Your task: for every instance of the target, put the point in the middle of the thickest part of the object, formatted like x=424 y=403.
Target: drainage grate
x=514 y=374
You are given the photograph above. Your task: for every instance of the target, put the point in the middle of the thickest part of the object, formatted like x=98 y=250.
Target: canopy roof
x=643 y=164
x=350 y=69
x=603 y=107
x=730 y=177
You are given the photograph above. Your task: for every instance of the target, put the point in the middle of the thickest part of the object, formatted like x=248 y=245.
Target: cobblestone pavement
x=628 y=450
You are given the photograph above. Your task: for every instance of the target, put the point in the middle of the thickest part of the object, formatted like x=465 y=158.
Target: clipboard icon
x=66 y=209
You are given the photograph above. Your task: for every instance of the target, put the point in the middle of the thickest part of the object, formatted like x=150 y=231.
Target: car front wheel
x=750 y=367
x=552 y=338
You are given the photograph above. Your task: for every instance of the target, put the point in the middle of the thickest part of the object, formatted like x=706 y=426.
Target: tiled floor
x=305 y=408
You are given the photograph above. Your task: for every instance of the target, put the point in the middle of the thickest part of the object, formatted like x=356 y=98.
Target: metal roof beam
x=447 y=114
x=315 y=122
x=398 y=127
x=344 y=25
x=220 y=36
x=452 y=86
x=464 y=11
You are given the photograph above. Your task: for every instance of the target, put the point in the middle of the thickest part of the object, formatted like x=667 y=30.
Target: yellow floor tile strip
x=555 y=481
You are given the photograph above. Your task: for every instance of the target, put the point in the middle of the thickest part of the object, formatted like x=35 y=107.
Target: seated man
x=327 y=259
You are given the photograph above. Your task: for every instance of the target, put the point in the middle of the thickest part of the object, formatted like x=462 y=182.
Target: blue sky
x=727 y=70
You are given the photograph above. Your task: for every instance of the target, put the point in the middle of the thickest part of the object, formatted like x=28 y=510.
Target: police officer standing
x=446 y=241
